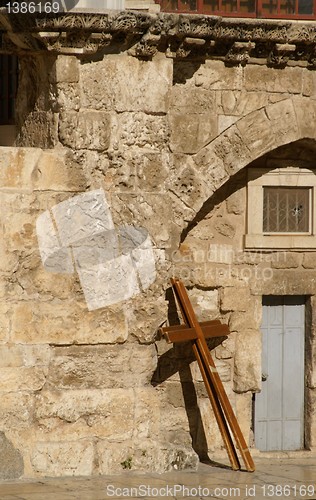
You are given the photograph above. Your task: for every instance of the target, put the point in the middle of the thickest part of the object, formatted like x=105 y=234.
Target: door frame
x=308 y=373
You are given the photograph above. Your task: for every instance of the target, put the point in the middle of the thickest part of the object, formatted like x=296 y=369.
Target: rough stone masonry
x=167 y=115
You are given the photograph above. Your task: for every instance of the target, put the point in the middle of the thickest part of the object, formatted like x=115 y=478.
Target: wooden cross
x=197 y=333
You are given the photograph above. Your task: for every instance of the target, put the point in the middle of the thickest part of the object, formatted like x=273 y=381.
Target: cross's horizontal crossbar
x=183 y=333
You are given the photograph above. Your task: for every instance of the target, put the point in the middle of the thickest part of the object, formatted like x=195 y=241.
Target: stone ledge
x=237 y=41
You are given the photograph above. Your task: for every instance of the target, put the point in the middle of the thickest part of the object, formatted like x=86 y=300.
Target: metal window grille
x=286 y=210
x=8 y=87
x=282 y=9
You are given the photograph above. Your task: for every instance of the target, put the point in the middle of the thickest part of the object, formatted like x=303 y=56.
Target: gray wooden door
x=279 y=408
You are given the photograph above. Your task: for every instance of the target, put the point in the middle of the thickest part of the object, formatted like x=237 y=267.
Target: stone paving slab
x=293 y=479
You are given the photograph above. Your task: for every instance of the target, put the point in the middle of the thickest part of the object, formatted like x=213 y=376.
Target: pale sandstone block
x=22 y=378
x=68 y=96
x=149 y=132
x=309 y=260
x=66 y=323
x=89 y=367
x=236 y=202
x=72 y=458
x=200 y=101
x=191 y=132
x=204 y=302
x=262 y=78
x=83 y=413
x=211 y=165
x=216 y=76
x=66 y=69
x=256 y=131
x=305 y=110
x=24 y=355
x=244 y=415
x=231 y=147
x=284 y=121
x=225 y=121
x=17 y=410
x=85 y=129
x=287 y=260
x=288 y=282
x=126 y=83
x=235 y=298
x=247 y=369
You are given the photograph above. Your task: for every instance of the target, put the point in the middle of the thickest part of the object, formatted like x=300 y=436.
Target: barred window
x=286 y=209
x=8 y=87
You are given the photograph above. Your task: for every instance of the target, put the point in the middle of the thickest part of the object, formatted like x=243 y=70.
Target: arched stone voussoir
x=254 y=135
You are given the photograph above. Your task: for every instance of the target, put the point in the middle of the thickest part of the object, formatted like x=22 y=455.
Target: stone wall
x=169 y=141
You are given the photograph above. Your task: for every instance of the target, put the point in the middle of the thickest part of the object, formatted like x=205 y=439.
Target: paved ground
x=284 y=478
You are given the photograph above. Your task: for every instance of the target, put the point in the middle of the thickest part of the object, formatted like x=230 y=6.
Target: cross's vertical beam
x=213 y=383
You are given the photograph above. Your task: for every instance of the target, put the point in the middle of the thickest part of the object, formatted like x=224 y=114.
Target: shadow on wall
x=178 y=359
x=11 y=461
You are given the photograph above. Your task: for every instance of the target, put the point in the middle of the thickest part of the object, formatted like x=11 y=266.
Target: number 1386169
x=32 y=7
x=284 y=490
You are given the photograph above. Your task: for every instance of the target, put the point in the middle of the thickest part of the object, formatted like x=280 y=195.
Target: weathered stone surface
x=235 y=203
x=73 y=458
x=133 y=81
x=286 y=260
x=309 y=260
x=215 y=75
x=85 y=129
x=88 y=367
x=22 y=378
x=235 y=299
x=94 y=392
x=11 y=461
x=149 y=132
x=273 y=79
x=58 y=324
x=65 y=69
x=247 y=369
x=190 y=131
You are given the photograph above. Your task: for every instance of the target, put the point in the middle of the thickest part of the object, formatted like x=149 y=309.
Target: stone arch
x=249 y=138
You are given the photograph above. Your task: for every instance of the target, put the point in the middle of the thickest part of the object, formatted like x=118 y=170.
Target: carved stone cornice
x=178 y=35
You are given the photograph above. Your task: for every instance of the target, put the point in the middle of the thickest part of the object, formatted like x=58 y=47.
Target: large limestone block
x=72 y=458
x=284 y=121
x=16 y=410
x=148 y=132
x=305 y=110
x=147 y=455
x=231 y=147
x=262 y=78
x=66 y=69
x=309 y=260
x=124 y=83
x=186 y=182
x=85 y=129
x=24 y=355
x=235 y=298
x=192 y=100
x=214 y=75
x=257 y=132
x=190 y=131
x=30 y=169
x=84 y=367
x=66 y=322
x=211 y=166
x=247 y=370
x=23 y=378
x=152 y=211
x=82 y=413
x=146 y=424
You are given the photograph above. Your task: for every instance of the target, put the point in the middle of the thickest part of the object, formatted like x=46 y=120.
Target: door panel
x=279 y=408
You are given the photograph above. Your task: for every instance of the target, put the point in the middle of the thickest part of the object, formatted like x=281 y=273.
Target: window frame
x=258 y=178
